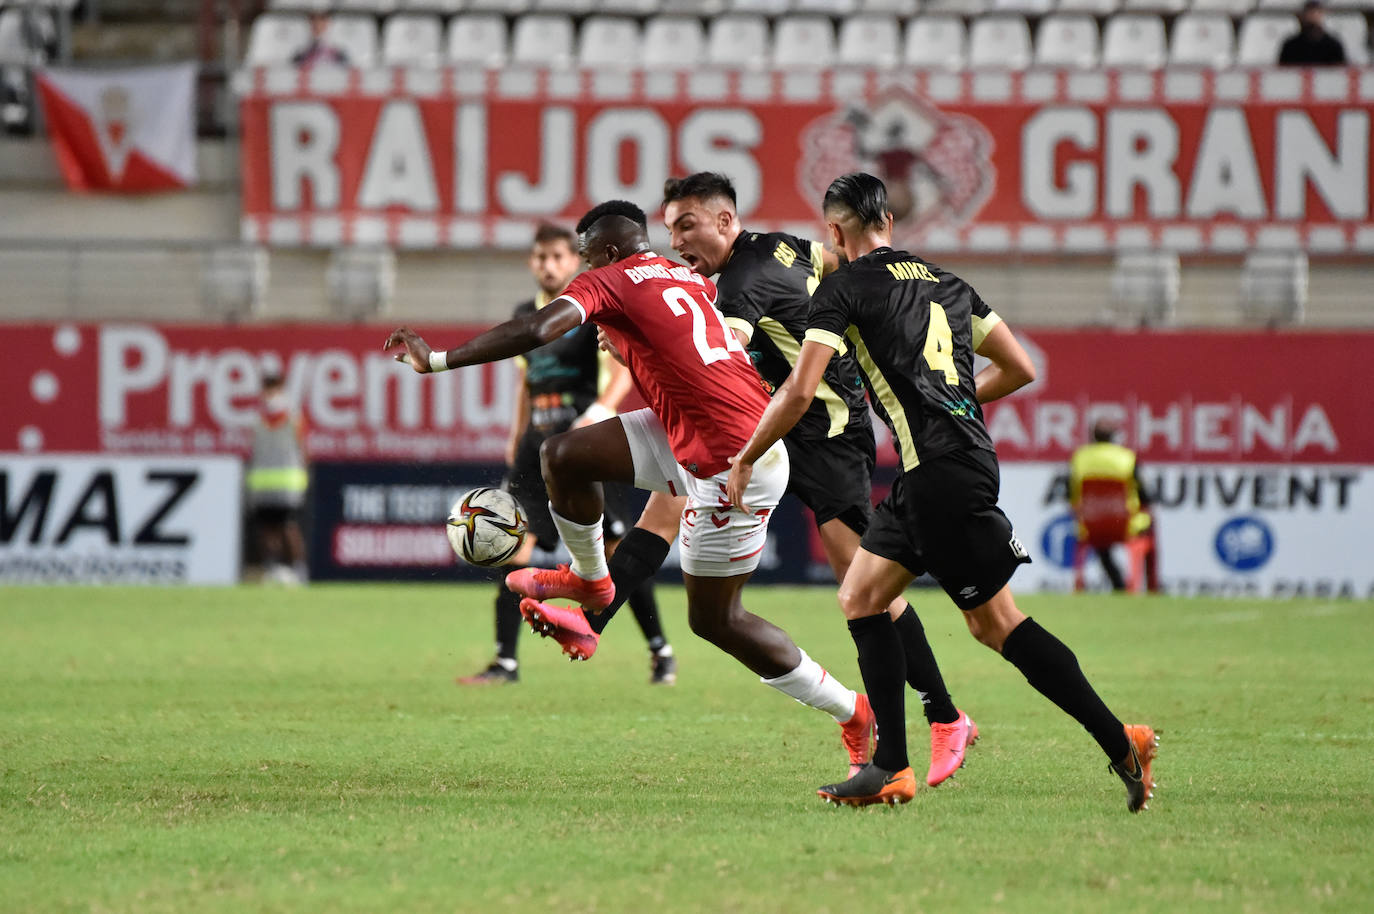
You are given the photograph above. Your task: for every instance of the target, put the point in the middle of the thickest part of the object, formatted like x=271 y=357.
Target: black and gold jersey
x=913 y=328
x=765 y=293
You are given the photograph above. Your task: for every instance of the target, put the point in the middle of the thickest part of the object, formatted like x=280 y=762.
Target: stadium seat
x=1261 y=36
x=870 y=41
x=1023 y=7
x=825 y=7
x=360 y=281
x=1278 y=6
x=355 y=35
x=674 y=43
x=936 y=42
x=1134 y=40
x=1202 y=40
x=412 y=39
x=1066 y=41
x=803 y=41
x=1145 y=287
x=504 y=7
x=999 y=42
x=233 y=281
x=566 y=7
x=760 y=7
x=477 y=38
x=1162 y=7
x=542 y=39
x=701 y=8
x=1353 y=31
x=364 y=7
x=1100 y=8
x=1273 y=287
x=609 y=41
x=890 y=7
x=965 y=8
x=14 y=49
x=1232 y=8
x=275 y=38
x=737 y=41
x=438 y=7
x=627 y=7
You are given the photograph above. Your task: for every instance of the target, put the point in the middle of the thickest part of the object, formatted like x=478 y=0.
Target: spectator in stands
x=319 y=50
x=277 y=480
x=1313 y=45
x=1104 y=459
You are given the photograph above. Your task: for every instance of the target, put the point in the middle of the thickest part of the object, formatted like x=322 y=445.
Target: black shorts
x=525 y=481
x=942 y=518
x=834 y=477
x=276 y=515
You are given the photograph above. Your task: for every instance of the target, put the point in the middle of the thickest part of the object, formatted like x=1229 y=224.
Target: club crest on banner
x=114 y=128
x=937 y=167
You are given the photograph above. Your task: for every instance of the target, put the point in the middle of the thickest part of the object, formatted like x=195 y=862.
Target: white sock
x=585 y=544
x=811 y=685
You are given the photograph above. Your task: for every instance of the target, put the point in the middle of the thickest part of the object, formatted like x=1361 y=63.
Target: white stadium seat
x=1023 y=7
x=702 y=8
x=1162 y=7
x=1066 y=41
x=674 y=43
x=365 y=7
x=275 y=38
x=438 y=7
x=1278 y=6
x=1353 y=31
x=891 y=7
x=737 y=41
x=504 y=7
x=1273 y=287
x=936 y=42
x=1261 y=36
x=477 y=38
x=609 y=41
x=412 y=39
x=355 y=35
x=1089 y=7
x=628 y=7
x=825 y=7
x=1202 y=40
x=1134 y=40
x=870 y=41
x=542 y=39
x=1232 y=8
x=1001 y=42
x=1145 y=287
x=966 y=8
x=567 y=7
x=803 y=41
x=760 y=7
x=14 y=49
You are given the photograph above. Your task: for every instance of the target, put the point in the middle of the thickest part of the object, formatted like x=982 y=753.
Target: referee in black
x=914 y=329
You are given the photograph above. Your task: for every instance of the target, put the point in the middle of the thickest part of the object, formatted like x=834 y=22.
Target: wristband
x=598 y=412
x=438 y=361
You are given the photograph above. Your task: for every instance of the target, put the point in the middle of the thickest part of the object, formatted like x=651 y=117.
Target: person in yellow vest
x=277 y=480
x=1103 y=458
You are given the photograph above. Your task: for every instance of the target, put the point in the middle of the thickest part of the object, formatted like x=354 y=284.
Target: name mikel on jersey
x=910 y=269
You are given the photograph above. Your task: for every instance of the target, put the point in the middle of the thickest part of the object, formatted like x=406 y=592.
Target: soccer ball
x=486 y=526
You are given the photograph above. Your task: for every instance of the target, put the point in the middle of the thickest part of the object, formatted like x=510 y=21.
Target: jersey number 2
x=680 y=302
x=939 y=351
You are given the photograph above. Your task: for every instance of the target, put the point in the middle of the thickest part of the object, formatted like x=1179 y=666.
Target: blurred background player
x=914 y=329
x=704 y=397
x=564 y=384
x=765 y=283
x=1110 y=505
x=277 y=479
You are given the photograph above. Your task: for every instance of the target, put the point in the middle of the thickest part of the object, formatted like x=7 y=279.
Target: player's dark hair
x=613 y=208
x=862 y=194
x=548 y=233
x=700 y=186
x=272 y=379
x=1104 y=430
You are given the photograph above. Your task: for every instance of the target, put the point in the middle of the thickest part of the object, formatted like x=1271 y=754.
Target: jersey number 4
x=681 y=302
x=939 y=351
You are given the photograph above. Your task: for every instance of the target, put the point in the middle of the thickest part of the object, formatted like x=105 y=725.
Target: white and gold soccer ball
x=486 y=526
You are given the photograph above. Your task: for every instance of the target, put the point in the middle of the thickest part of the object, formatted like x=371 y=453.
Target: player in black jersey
x=564 y=384
x=914 y=329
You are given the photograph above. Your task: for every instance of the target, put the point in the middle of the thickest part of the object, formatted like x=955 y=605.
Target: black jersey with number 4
x=765 y=291
x=913 y=329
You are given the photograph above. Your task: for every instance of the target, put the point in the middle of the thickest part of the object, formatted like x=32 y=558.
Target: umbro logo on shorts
x=968 y=592
x=1017 y=549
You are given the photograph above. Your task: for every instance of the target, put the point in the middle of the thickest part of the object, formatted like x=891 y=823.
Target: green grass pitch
x=300 y=751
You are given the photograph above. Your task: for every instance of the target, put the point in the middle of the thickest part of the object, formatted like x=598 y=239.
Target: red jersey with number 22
x=687 y=364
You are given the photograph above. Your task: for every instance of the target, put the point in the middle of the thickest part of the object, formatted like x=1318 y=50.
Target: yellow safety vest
x=1105 y=460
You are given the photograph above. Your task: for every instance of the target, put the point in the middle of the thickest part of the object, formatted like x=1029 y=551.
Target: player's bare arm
x=515 y=337
x=1011 y=367
x=787 y=406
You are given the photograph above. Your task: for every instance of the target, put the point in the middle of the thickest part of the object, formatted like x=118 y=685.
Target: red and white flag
x=130 y=130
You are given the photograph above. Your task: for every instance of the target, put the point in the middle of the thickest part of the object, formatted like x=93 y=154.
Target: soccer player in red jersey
x=705 y=399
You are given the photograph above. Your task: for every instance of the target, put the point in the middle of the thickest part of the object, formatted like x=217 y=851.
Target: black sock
x=922 y=672
x=508 y=622
x=644 y=605
x=1049 y=666
x=635 y=561
x=884 y=673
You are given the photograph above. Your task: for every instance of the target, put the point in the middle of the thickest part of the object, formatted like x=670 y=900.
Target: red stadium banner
x=1041 y=161
x=1180 y=396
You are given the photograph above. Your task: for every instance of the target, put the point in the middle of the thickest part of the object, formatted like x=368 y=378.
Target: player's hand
x=417 y=350
x=740 y=474
x=607 y=346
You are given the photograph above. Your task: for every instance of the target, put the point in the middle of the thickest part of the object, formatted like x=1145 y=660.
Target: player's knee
x=554 y=456
x=858 y=602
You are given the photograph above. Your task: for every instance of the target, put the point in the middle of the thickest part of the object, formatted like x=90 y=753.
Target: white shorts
x=717 y=540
